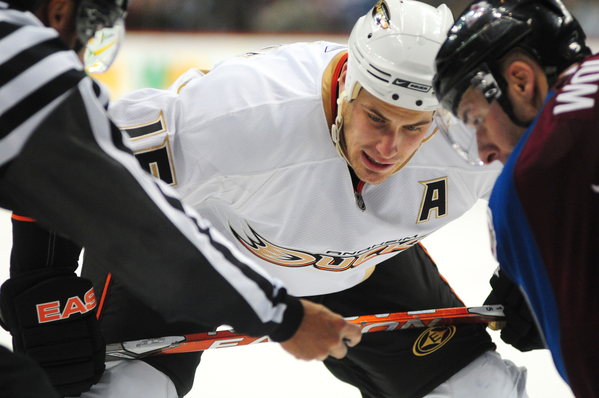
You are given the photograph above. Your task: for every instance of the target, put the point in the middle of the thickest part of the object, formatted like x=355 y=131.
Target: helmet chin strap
x=509 y=110
x=337 y=127
x=503 y=100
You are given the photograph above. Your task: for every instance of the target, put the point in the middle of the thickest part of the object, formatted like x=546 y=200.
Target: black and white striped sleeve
x=64 y=163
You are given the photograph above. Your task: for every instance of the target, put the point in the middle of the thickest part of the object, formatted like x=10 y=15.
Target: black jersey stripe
x=7 y=28
x=264 y=284
x=145 y=129
x=28 y=58
x=97 y=89
x=37 y=100
x=102 y=93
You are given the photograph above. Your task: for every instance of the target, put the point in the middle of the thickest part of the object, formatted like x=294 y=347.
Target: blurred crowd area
x=330 y=16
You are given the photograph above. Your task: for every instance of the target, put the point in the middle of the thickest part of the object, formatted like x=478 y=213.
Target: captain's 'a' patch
x=434 y=199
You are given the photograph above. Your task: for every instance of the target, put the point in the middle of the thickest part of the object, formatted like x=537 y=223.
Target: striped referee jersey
x=64 y=163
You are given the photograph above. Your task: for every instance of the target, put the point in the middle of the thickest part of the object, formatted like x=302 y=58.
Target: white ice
x=462 y=253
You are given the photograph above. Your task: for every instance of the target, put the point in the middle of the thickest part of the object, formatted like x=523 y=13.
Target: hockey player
x=323 y=166
x=64 y=163
x=521 y=76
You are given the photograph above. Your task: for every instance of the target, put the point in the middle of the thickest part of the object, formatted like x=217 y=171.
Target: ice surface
x=462 y=253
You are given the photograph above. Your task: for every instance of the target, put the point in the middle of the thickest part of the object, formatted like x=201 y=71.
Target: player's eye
x=374 y=118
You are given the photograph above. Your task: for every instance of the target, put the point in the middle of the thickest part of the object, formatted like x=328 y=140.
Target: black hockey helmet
x=488 y=30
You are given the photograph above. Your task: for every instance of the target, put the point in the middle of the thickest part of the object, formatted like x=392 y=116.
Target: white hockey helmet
x=392 y=52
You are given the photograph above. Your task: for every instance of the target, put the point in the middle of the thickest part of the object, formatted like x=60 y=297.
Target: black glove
x=52 y=318
x=520 y=329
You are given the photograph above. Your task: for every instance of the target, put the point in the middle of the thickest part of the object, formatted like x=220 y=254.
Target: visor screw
x=419 y=103
x=369 y=35
x=395 y=97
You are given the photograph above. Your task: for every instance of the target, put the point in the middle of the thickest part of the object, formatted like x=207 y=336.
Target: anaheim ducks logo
x=331 y=261
x=380 y=13
x=432 y=339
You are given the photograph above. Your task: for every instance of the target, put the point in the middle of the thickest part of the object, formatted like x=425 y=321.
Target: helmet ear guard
x=337 y=127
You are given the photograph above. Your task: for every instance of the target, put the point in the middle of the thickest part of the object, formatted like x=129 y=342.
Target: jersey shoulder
x=289 y=70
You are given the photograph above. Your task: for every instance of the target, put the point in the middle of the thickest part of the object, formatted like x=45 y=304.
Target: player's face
x=496 y=135
x=379 y=137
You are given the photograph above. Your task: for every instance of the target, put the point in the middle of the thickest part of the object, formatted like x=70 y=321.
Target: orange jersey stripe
x=442 y=277
x=22 y=218
x=101 y=306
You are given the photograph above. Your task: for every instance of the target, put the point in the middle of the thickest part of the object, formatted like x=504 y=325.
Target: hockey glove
x=520 y=329
x=51 y=316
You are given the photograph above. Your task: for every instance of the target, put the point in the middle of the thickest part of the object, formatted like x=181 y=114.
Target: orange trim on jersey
x=101 y=306
x=442 y=277
x=330 y=79
x=22 y=218
x=334 y=84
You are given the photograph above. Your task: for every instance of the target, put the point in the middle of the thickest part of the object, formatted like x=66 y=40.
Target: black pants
x=400 y=363
x=382 y=365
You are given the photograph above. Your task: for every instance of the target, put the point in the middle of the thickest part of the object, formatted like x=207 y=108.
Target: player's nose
x=388 y=144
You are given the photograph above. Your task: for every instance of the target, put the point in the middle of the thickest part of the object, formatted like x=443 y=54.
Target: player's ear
x=520 y=77
x=527 y=88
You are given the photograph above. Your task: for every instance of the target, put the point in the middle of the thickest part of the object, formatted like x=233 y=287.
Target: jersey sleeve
x=75 y=175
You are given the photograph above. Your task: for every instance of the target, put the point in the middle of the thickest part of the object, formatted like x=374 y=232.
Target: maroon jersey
x=545 y=209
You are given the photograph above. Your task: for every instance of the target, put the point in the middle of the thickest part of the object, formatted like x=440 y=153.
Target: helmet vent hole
x=419 y=103
x=369 y=35
x=395 y=97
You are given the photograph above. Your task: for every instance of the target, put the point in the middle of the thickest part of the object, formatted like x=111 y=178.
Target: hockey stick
x=368 y=323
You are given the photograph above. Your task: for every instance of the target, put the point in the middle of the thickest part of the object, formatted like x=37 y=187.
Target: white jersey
x=248 y=145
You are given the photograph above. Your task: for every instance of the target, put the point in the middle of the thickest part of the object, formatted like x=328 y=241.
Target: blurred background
x=332 y=16
x=167 y=37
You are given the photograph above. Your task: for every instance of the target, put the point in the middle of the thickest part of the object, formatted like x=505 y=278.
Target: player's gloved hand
x=322 y=333
x=51 y=315
x=520 y=329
